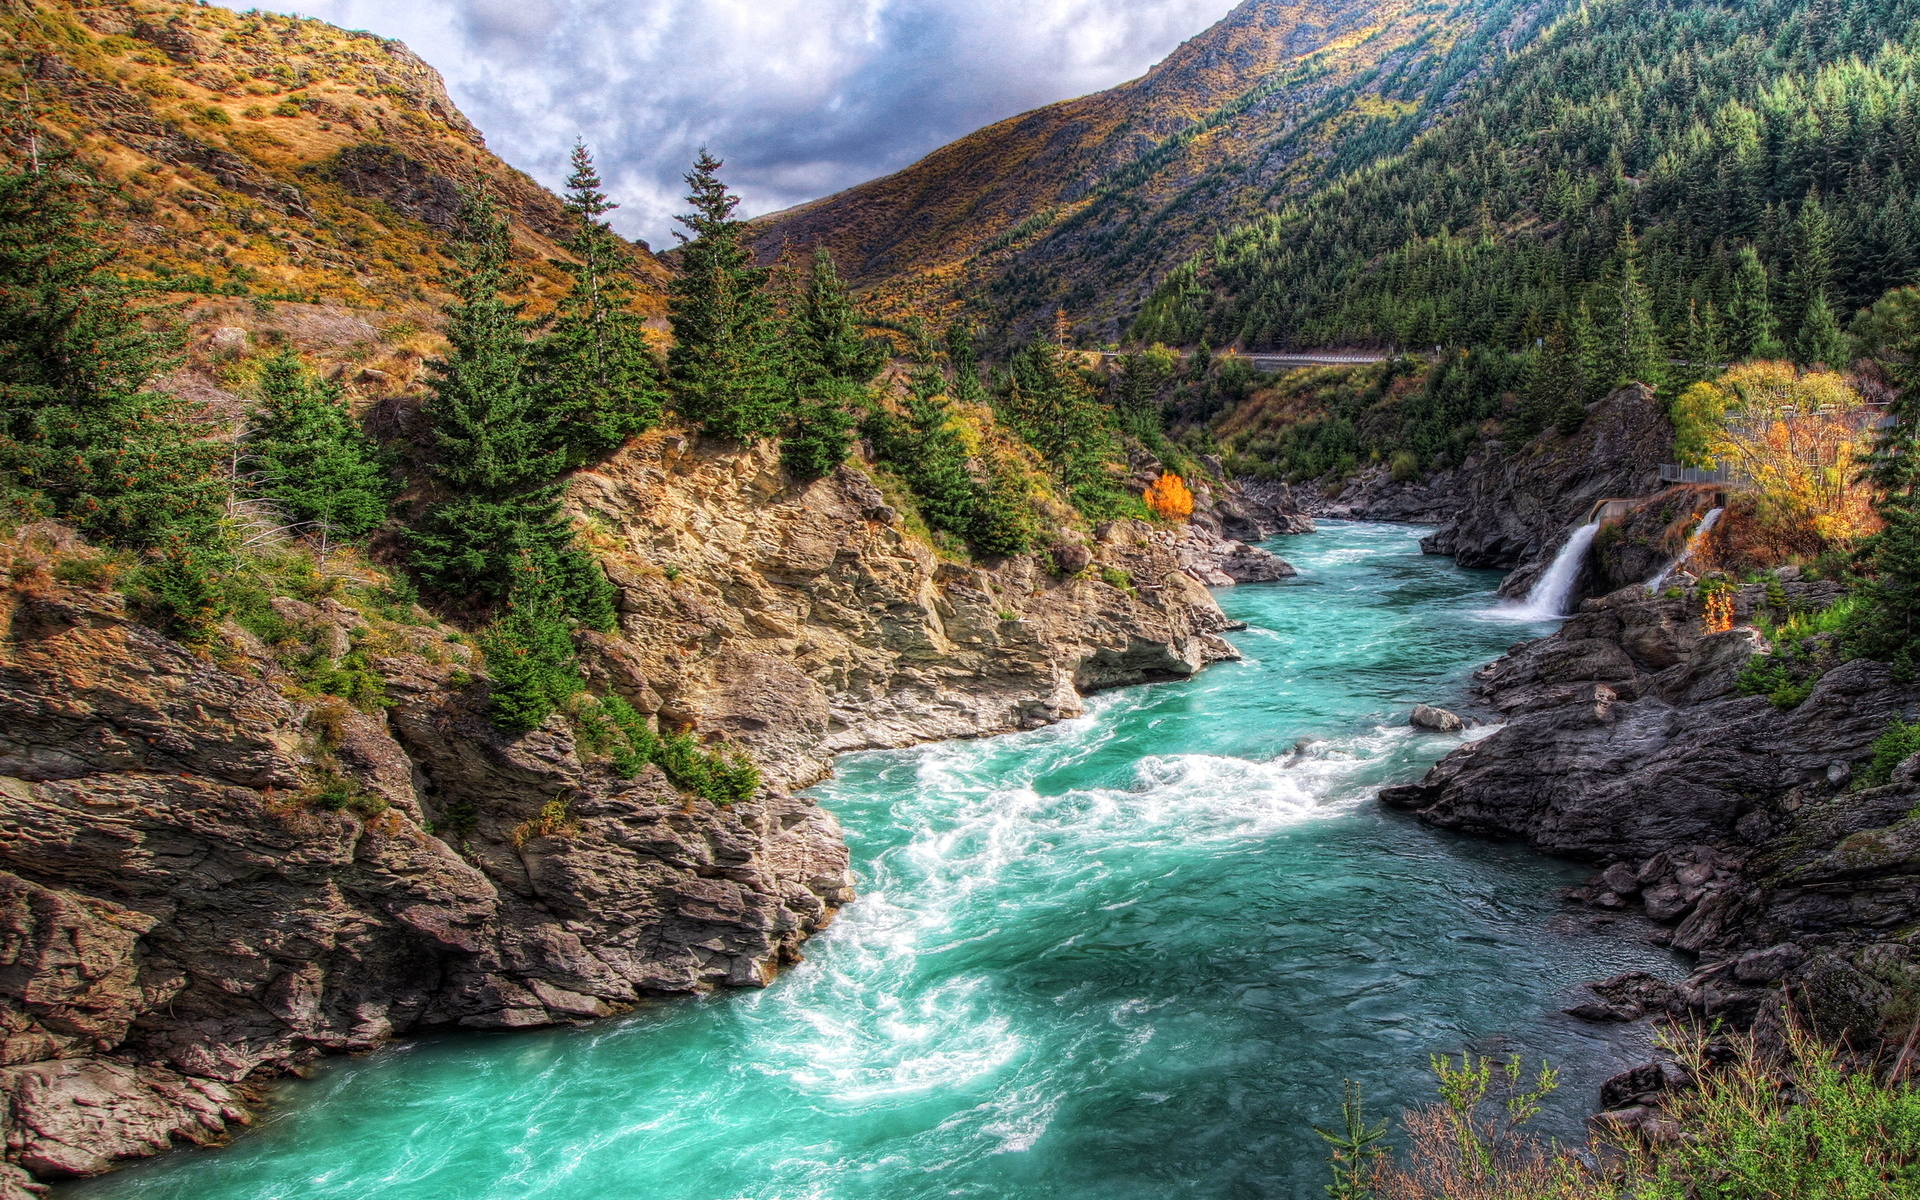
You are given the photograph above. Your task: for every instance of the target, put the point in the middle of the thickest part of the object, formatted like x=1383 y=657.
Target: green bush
x=1899 y=742
x=723 y=779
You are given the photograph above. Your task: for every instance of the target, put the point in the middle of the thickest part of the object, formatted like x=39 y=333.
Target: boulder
x=1425 y=716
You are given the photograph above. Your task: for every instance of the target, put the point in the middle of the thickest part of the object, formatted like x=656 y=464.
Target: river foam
x=1125 y=957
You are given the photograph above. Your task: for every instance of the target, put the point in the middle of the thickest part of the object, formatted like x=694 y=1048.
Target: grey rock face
x=1720 y=816
x=1516 y=508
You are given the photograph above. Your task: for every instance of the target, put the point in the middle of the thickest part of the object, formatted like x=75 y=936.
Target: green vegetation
x=722 y=779
x=83 y=437
x=726 y=364
x=310 y=457
x=832 y=364
x=598 y=380
x=1751 y=1127
x=1900 y=742
x=1640 y=160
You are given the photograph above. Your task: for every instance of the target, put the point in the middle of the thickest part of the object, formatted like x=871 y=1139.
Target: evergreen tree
x=1637 y=355
x=1049 y=406
x=498 y=453
x=1821 y=342
x=594 y=372
x=1810 y=283
x=963 y=356
x=1754 y=332
x=831 y=366
x=530 y=658
x=1885 y=625
x=311 y=458
x=1557 y=390
x=82 y=435
x=1704 y=352
x=726 y=364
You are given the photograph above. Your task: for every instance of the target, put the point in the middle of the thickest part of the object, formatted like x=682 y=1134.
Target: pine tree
x=597 y=378
x=1821 y=341
x=963 y=357
x=531 y=667
x=1705 y=355
x=1753 y=331
x=311 y=458
x=497 y=452
x=1637 y=355
x=1885 y=625
x=726 y=365
x=82 y=435
x=1810 y=283
x=1557 y=391
x=1049 y=406
x=831 y=366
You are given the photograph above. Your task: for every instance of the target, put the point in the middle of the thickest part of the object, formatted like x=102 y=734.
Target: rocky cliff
x=213 y=868
x=1729 y=821
x=1518 y=506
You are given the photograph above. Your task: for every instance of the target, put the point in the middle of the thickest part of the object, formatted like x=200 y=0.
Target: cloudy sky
x=801 y=97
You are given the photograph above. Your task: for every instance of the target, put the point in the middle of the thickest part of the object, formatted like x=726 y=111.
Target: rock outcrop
x=1517 y=508
x=1728 y=821
x=212 y=871
x=805 y=622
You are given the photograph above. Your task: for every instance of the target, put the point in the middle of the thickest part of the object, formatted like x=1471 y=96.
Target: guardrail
x=1671 y=473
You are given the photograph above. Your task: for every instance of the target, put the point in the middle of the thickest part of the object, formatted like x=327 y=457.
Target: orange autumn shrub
x=1169 y=497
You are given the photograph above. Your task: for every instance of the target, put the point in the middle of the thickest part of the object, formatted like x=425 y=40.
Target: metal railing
x=1671 y=473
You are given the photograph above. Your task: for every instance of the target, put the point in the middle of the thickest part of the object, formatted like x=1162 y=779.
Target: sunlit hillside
x=1087 y=203
x=262 y=154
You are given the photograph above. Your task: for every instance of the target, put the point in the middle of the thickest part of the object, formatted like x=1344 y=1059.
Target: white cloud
x=801 y=97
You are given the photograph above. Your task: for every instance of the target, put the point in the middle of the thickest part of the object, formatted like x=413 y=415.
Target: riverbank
x=1126 y=955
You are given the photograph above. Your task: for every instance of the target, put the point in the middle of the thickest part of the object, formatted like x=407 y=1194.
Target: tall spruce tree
x=596 y=376
x=1704 y=351
x=1048 y=405
x=1557 y=391
x=1885 y=625
x=83 y=436
x=1753 y=330
x=309 y=455
x=727 y=367
x=831 y=364
x=1636 y=354
x=497 y=451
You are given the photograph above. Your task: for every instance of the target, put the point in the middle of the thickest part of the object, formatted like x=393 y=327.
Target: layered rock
x=807 y=621
x=1729 y=822
x=211 y=872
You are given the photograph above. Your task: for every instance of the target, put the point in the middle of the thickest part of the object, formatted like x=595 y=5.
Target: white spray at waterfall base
x=1694 y=539
x=1548 y=599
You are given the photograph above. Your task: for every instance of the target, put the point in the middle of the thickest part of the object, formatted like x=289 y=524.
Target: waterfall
x=1547 y=601
x=1694 y=539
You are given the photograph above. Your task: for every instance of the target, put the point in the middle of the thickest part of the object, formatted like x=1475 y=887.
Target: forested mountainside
x=1088 y=203
x=260 y=154
x=1746 y=165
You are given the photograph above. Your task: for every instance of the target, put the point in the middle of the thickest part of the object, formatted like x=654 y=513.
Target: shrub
x=1169 y=498
x=1900 y=741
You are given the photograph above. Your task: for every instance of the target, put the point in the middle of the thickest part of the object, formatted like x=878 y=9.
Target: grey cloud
x=801 y=97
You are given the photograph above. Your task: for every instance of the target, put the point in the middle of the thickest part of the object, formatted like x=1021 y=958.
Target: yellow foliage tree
x=1798 y=437
x=1169 y=497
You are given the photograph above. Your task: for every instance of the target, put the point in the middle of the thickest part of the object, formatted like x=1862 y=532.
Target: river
x=1128 y=956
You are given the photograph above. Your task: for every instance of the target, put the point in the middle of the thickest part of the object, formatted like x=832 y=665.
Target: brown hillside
x=265 y=153
x=1087 y=203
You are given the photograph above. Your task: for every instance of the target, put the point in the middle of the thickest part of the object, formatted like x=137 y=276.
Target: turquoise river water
x=1128 y=956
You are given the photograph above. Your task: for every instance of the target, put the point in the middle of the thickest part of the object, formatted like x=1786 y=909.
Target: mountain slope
x=1086 y=204
x=1790 y=128
x=265 y=154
